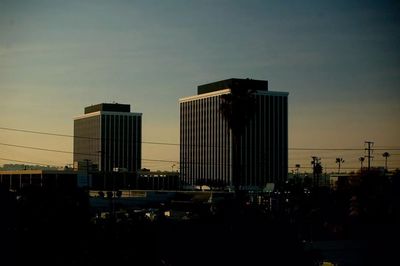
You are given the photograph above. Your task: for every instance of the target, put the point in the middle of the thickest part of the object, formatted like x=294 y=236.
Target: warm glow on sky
x=338 y=60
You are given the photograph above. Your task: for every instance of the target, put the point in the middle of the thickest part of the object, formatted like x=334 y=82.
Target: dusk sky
x=339 y=61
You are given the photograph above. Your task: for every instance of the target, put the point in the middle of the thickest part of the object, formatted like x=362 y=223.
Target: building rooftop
x=38 y=172
x=110 y=107
x=233 y=83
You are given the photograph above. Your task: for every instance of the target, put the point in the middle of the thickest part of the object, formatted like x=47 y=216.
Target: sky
x=339 y=61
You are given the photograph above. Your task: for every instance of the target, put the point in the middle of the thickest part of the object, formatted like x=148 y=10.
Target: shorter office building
x=109 y=136
x=18 y=179
x=95 y=180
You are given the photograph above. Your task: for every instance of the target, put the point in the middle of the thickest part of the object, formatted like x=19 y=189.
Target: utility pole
x=369 y=151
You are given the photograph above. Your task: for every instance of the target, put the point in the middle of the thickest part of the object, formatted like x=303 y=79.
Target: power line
x=170 y=161
x=19 y=161
x=351 y=160
x=43 y=149
x=79 y=137
x=95 y=154
x=177 y=144
x=157 y=160
x=158 y=143
x=71 y=152
x=35 y=132
x=325 y=168
x=325 y=149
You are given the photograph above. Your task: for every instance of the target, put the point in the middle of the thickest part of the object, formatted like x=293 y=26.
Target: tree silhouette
x=339 y=161
x=317 y=169
x=386 y=155
x=361 y=159
x=238 y=108
x=297 y=172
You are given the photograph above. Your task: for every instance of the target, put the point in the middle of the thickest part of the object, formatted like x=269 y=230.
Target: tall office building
x=206 y=142
x=108 y=135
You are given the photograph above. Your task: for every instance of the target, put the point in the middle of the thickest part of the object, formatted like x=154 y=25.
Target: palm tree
x=238 y=108
x=297 y=172
x=361 y=159
x=386 y=155
x=339 y=161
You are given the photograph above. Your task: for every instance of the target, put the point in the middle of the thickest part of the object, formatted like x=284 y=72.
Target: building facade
x=19 y=179
x=206 y=142
x=109 y=136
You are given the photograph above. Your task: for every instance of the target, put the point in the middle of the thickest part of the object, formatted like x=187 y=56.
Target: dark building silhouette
x=206 y=149
x=18 y=179
x=68 y=179
x=109 y=136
